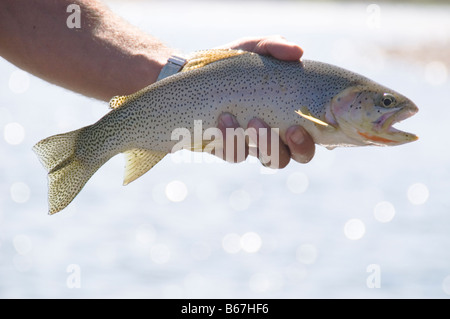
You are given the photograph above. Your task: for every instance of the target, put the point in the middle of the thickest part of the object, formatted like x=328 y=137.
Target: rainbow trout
x=337 y=107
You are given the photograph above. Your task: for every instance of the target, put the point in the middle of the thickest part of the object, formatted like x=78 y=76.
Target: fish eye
x=388 y=100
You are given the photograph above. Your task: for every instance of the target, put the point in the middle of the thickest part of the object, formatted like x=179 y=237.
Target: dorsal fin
x=138 y=162
x=201 y=58
x=117 y=101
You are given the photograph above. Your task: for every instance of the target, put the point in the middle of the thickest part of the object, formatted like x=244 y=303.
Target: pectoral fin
x=307 y=115
x=138 y=162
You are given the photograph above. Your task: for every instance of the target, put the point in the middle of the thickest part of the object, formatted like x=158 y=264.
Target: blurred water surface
x=357 y=223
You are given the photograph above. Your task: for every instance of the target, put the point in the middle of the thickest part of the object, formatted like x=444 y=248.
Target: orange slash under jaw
x=375 y=138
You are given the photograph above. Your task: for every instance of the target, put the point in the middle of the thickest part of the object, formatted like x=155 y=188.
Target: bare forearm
x=104 y=57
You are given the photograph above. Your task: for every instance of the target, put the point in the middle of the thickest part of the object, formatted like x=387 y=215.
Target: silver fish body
x=324 y=99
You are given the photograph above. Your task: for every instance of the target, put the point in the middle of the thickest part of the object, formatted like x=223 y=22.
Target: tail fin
x=67 y=173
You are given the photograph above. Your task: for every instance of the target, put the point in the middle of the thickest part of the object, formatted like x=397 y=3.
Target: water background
x=353 y=223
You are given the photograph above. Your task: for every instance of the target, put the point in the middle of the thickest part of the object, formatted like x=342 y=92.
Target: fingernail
x=298 y=137
x=228 y=120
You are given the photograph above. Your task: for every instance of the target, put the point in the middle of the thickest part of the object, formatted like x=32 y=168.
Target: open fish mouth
x=385 y=125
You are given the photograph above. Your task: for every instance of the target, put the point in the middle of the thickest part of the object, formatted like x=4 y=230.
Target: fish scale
x=316 y=95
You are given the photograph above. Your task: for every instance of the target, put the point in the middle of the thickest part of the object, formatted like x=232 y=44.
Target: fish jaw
x=387 y=134
x=356 y=110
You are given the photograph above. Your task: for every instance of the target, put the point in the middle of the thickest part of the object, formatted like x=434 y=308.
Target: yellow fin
x=67 y=172
x=201 y=58
x=138 y=162
x=117 y=101
x=311 y=118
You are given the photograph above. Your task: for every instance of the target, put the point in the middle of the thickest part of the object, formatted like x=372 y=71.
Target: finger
x=300 y=143
x=270 y=149
x=279 y=48
x=276 y=46
x=234 y=149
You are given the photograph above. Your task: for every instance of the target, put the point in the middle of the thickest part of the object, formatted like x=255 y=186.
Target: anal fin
x=138 y=162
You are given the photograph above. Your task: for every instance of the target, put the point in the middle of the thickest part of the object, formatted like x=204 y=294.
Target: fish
x=337 y=107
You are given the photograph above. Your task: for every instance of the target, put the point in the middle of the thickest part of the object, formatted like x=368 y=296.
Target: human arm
x=105 y=57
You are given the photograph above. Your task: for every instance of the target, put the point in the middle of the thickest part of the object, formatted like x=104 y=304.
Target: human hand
x=276 y=46
x=298 y=144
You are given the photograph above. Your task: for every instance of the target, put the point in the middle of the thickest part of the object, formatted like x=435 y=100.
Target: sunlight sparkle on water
x=354 y=229
x=176 y=191
x=250 y=242
x=384 y=211
x=418 y=193
x=14 y=133
x=20 y=192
